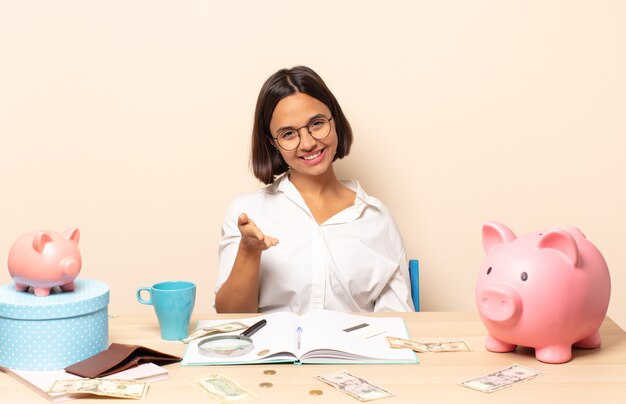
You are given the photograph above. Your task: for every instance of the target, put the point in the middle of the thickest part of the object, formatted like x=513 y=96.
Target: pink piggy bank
x=546 y=291
x=44 y=260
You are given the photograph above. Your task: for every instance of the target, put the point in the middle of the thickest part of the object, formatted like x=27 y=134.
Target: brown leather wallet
x=119 y=357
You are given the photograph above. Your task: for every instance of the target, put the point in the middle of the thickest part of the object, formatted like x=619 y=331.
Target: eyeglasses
x=289 y=138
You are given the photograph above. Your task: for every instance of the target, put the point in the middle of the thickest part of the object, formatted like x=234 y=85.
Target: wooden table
x=592 y=376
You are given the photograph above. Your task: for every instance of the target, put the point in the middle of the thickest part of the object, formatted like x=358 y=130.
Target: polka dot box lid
x=88 y=296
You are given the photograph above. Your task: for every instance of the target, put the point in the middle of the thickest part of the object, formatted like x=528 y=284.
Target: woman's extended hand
x=252 y=238
x=240 y=292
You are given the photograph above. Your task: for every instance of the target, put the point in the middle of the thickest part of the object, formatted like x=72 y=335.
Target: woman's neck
x=323 y=194
x=318 y=185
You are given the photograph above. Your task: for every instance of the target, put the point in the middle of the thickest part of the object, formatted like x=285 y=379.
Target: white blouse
x=353 y=262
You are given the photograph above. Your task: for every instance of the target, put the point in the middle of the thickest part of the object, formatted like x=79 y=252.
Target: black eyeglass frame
x=308 y=130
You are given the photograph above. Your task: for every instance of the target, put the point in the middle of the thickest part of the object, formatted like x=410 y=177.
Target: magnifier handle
x=254 y=328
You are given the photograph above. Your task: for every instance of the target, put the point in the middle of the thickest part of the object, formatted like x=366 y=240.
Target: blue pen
x=299 y=334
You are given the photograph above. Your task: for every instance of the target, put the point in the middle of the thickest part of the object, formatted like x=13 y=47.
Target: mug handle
x=140 y=300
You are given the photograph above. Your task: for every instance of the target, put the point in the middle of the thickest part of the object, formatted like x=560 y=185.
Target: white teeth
x=311 y=157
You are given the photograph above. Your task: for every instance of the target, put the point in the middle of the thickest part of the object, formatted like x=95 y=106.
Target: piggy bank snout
x=70 y=267
x=500 y=304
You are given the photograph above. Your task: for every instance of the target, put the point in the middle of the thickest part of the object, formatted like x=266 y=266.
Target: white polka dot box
x=55 y=331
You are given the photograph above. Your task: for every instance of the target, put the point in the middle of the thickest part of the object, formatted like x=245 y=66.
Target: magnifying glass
x=230 y=345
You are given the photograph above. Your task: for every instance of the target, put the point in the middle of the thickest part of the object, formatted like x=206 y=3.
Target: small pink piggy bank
x=546 y=291
x=44 y=260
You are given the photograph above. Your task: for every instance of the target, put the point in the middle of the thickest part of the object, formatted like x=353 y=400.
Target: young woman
x=340 y=248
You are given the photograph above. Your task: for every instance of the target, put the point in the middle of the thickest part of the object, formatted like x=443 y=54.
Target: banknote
x=447 y=346
x=354 y=386
x=102 y=387
x=216 y=329
x=221 y=388
x=502 y=378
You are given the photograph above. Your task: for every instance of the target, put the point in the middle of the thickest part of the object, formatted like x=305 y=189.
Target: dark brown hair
x=266 y=161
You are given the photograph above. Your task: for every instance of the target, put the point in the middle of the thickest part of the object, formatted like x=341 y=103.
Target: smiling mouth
x=313 y=156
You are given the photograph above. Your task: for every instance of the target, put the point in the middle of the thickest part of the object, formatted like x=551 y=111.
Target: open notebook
x=323 y=336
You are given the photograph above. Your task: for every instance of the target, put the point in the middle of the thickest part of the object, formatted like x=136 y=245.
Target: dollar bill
x=216 y=329
x=354 y=386
x=448 y=346
x=502 y=378
x=135 y=389
x=221 y=388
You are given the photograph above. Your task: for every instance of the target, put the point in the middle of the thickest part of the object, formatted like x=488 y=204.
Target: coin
x=265 y=385
x=263 y=352
x=316 y=392
x=269 y=372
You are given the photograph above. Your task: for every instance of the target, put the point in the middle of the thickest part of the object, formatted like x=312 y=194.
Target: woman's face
x=312 y=156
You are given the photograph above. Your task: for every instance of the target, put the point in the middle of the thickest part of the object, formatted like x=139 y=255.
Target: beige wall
x=131 y=119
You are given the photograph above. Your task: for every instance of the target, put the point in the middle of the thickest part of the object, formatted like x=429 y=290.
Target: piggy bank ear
x=40 y=240
x=575 y=231
x=562 y=242
x=494 y=234
x=72 y=234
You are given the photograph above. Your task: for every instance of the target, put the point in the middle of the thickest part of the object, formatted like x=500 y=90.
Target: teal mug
x=173 y=303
